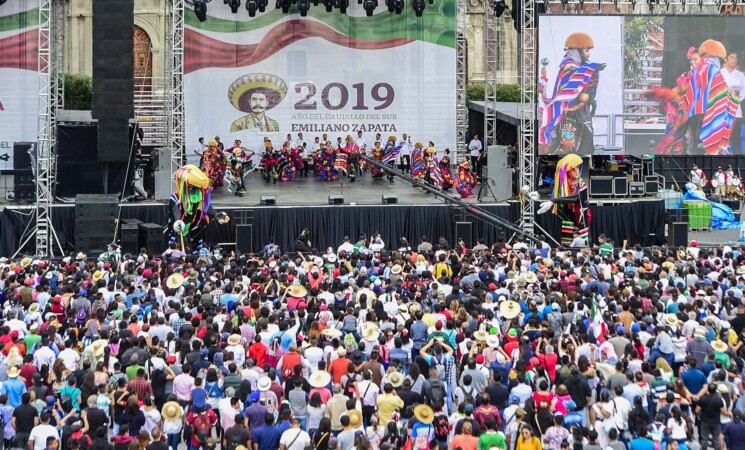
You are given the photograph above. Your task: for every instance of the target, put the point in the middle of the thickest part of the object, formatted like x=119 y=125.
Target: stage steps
x=150 y=111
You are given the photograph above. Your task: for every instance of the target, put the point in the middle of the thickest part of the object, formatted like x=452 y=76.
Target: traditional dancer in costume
x=286 y=169
x=326 y=162
x=268 y=163
x=352 y=150
x=566 y=123
x=570 y=199
x=447 y=175
x=432 y=174
x=465 y=179
x=417 y=161
x=390 y=153
x=240 y=165
x=377 y=154
x=214 y=164
x=190 y=204
x=703 y=105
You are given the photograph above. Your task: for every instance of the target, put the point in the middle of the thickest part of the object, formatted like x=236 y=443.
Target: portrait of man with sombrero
x=566 y=123
x=255 y=94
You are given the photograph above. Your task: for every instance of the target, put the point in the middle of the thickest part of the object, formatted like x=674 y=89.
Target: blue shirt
x=694 y=380
x=419 y=333
x=14 y=389
x=641 y=444
x=263 y=438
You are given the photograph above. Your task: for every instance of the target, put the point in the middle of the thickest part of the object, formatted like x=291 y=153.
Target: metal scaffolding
x=461 y=108
x=490 y=74
x=50 y=98
x=174 y=104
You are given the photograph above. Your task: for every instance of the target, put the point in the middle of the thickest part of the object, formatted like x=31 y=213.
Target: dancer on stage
x=447 y=175
x=390 y=153
x=352 y=150
x=268 y=163
x=214 y=164
x=240 y=165
x=432 y=174
x=566 y=124
x=417 y=161
x=326 y=161
x=286 y=163
x=377 y=154
x=465 y=180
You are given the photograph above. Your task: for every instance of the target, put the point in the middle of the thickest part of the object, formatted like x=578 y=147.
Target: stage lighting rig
x=369 y=6
x=329 y=4
x=200 y=8
x=303 y=6
x=251 y=7
x=499 y=8
x=234 y=5
x=418 y=6
x=284 y=5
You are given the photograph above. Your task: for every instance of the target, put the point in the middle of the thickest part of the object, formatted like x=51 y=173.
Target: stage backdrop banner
x=327 y=73
x=19 y=42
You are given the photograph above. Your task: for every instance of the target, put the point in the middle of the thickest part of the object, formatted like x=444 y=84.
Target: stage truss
x=461 y=108
x=528 y=55
x=174 y=104
x=50 y=100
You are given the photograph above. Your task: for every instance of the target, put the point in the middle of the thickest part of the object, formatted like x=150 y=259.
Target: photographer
x=302 y=243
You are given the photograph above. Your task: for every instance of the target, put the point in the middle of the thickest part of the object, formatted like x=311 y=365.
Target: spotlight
x=303 y=6
x=418 y=6
x=343 y=5
x=329 y=4
x=262 y=5
x=499 y=8
x=234 y=5
x=200 y=9
x=398 y=6
x=392 y=7
x=284 y=5
x=369 y=6
x=226 y=2
x=251 y=7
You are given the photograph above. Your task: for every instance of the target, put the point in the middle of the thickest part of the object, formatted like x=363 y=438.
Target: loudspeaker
x=601 y=186
x=95 y=221
x=647 y=166
x=677 y=234
x=620 y=186
x=243 y=217
x=267 y=200
x=463 y=230
x=389 y=199
x=497 y=157
x=734 y=205
x=677 y=215
x=24 y=186
x=502 y=182
x=650 y=185
x=130 y=238
x=163 y=185
x=21 y=156
x=244 y=238
x=151 y=237
x=636 y=189
x=336 y=199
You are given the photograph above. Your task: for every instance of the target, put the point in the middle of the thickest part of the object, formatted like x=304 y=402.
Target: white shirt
x=697 y=175
x=40 y=433
x=475 y=147
x=70 y=359
x=406 y=147
x=361 y=143
x=44 y=355
x=736 y=82
x=721 y=178
x=295 y=436
x=346 y=247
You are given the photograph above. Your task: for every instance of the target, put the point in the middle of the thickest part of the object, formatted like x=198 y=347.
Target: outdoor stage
x=304 y=203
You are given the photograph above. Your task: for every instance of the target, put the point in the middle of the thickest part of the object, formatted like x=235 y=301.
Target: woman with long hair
x=374 y=433
x=526 y=440
x=320 y=439
x=665 y=370
x=677 y=425
x=58 y=376
x=152 y=415
x=599 y=413
x=393 y=438
x=316 y=410
x=132 y=417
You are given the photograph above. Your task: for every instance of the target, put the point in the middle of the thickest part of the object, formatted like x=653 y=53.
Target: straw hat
x=530 y=277
x=699 y=333
x=341 y=351
x=33 y=308
x=319 y=379
x=424 y=414
x=396 y=269
x=509 y=309
x=25 y=262
x=671 y=319
x=396 y=379
x=14 y=372
x=81 y=256
x=355 y=418
x=234 y=339
x=719 y=346
x=272 y=86
x=175 y=281
x=297 y=290
x=264 y=384
x=97 y=275
x=492 y=341
x=171 y=411
x=98 y=349
x=480 y=335
x=331 y=333
x=370 y=332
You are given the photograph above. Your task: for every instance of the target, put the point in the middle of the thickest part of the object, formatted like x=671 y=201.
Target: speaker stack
x=95 y=222
x=464 y=230
x=113 y=76
x=499 y=170
x=24 y=185
x=151 y=237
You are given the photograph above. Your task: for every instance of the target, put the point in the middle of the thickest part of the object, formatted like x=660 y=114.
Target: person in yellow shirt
x=388 y=403
x=526 y=440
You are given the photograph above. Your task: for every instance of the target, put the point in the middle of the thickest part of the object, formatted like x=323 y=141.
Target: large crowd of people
x=430 y=346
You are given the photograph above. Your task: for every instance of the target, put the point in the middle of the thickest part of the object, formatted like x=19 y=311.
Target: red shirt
x=338 y=369
x=543 y=400
x=258 y=350
x=190 y=420
x=549 y=363
x=27 y=372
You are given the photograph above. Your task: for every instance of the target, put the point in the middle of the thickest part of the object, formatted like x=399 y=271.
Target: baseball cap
x=469 y=409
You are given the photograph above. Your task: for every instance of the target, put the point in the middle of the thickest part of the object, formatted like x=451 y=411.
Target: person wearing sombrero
x=255 y=94
x=352 y=150
x=214 y=163
x=390 y=153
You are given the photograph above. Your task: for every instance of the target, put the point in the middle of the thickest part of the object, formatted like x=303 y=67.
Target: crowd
x=426 y=347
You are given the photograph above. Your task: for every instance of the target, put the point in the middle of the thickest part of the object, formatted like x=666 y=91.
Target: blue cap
x=514 y=399
x=635 y=327
x=620 y=330
x=204 y=352
x=469 y=409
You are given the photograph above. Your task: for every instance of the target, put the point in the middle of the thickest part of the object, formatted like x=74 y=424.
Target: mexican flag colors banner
x=19 y=42
x=327 y=73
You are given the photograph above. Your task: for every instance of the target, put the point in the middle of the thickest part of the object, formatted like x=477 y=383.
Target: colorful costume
x=571 y=199
x=432 y=174
x=705 y=105
x=240 y=165
x=326 y=161
x=566 y=122
x=377 y=154
x=268 y=163
x=191 y=202
x=390 y=153
x=465 y=180
x=417 y=161
x=447 y=175
x=287 y=163
x=214 y=163
x=352 y=151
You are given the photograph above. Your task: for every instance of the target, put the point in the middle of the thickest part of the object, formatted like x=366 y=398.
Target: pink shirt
x=323 y=392
x=182 y=386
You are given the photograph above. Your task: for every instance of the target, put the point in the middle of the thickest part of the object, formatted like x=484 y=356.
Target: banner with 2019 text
x=327 y=74
x=19 y=41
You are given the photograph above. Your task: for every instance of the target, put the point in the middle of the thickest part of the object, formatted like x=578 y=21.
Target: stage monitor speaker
x=636 y=189
x=501 y=184
x=677 y=215
x=244 y=238
x=651 y=185
x=497 y=157
x=95 y=222
x=601 y=186
x=463 y=230
x=21 y=155
x=677 y=234
x=130 y=221
x=734 y=205
x=130 y=238
x=24 y=186
x=620 y=186
x=151 y=237
x=336 y=199
x=389 y=199
x=163 y=185
x=268 y=200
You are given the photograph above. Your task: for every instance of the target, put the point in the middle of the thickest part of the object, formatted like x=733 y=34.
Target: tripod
x=485 y=188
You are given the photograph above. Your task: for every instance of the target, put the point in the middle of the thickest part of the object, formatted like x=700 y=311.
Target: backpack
x=81 y=317
x=437 y=399
x=349 y=385
x=202 y=372
x=442 y=427
x=555 y=322
x=234 y=441
x=202 y=427
x=67 y=399
x=468 y=396
x=439 y=363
